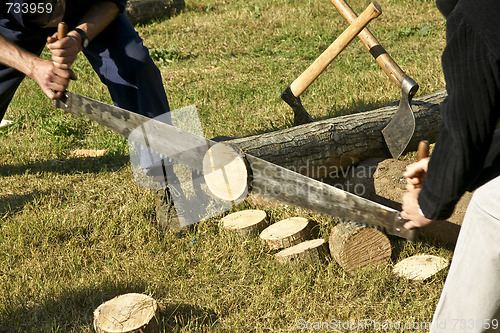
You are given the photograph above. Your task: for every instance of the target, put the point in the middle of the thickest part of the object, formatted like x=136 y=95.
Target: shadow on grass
x=355 y=106
x=73 y=311
x=15 y=202
x=68 y=166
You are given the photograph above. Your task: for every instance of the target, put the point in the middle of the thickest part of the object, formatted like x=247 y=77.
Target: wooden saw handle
x=62 y=30
x=422 y=152
x=318 y=66
x=385 y=61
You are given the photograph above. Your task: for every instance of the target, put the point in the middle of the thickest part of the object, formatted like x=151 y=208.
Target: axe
x=399 y=131
x=291 y=94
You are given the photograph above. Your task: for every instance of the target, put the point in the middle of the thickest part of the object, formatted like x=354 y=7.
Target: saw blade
x=176 y=144
x=267 y=179
x=273 y=181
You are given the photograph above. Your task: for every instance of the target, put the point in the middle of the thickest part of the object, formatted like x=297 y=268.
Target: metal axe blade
x=400 y=129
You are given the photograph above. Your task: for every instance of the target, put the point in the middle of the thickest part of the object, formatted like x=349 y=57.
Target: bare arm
x=98 y=17
x=50 y=78
x=54 y=76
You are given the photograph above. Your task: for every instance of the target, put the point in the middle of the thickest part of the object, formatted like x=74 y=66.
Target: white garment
x=470 y=301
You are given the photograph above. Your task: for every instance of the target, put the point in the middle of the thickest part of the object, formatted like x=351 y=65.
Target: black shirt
x=467 y=152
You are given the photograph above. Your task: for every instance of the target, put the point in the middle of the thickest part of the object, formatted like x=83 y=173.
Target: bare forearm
x=98 y=18
x=16 y=57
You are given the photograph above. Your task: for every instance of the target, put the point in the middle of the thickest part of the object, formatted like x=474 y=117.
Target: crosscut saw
x=265 y=178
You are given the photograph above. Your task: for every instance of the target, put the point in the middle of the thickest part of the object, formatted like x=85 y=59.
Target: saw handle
x=422 y=152
x=385 y=61
x=318 y=66
x=62 y=30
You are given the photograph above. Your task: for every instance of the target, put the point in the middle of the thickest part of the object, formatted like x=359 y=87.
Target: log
x=354 y=246
x=225 y=172
x=322 y=148
x=142 y=11
x=286 y=233
x=246 y=223
x=127 y=313
x=313 y=250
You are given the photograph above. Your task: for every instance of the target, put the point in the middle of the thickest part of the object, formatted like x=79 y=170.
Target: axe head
x=399 y=131
x=300 y=115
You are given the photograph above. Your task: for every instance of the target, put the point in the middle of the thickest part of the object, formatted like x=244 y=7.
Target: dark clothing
x=466 y=154
x=74 y=9
x=117 y=55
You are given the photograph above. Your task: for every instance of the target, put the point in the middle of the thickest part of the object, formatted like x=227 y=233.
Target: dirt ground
x=382 y=181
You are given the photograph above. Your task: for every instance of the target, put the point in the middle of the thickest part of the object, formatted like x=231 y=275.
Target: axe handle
x=385 y=61
x=318 y=66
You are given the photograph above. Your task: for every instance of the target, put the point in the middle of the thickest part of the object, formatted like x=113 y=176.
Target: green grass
x=75 y=232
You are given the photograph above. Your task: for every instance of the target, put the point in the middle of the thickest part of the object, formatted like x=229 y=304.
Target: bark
x=246 y=223
x=322 y=148
x=314 y=250
x=286 y=233
x=142 y=11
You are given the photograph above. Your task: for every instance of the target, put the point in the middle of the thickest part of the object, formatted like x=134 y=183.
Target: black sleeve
x=446 y=6
x=469 y=117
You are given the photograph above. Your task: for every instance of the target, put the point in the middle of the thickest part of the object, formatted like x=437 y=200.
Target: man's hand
x=64 y=51
x=415 y=174
x=52 y=80
x=411 y=211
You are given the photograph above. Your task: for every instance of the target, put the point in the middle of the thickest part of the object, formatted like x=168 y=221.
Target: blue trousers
x=117 y=55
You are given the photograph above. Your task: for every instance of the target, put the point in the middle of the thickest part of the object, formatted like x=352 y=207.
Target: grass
x=75 y=232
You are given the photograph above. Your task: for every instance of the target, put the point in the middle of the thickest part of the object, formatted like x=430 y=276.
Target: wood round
x=354 y=246
x=313 y=250
x=127 y=313
x=419 y=267
x=225 y=172
x=246 y=223
x=286 y=233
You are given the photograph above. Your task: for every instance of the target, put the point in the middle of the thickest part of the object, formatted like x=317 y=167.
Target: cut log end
x=225 y=172
x=419 y=267
x=127 y=313
x=286 y=233
x=309 y=251
x=246 y=223
x=354 y=246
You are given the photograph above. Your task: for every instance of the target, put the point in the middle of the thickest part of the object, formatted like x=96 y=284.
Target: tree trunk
x=141 y=11
x=322 y=148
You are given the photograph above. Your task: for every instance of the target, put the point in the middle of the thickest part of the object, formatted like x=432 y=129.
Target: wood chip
x=126 y=313
x=88 y=153
x=5 y=123
x=420 y=267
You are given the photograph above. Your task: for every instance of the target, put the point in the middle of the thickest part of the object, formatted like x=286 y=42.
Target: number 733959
x=31 y=8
